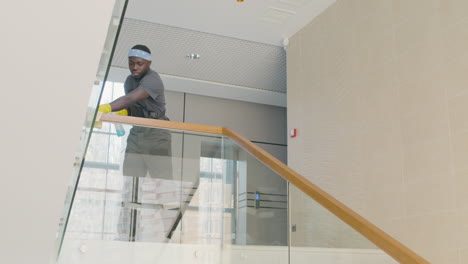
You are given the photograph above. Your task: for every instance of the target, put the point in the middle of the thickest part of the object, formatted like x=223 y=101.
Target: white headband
x=140 y=54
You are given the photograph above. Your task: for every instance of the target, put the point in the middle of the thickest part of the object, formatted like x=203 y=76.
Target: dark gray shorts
x=148 y=152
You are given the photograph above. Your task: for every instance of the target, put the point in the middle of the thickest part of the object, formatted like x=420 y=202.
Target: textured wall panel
x=222 y=59
x=385 y=90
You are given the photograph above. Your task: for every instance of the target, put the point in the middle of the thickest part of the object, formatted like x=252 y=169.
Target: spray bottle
x=119 y=129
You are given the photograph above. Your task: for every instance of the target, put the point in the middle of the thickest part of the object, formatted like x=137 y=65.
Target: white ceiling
x=264 y=21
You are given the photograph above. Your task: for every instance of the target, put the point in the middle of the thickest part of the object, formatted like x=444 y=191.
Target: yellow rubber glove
x=105 y=108
x=122 y=112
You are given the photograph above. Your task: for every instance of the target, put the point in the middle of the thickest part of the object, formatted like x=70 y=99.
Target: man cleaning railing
x=148 y=151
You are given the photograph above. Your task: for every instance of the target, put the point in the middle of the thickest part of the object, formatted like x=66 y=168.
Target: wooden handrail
x=148 y=122
x=391 y=246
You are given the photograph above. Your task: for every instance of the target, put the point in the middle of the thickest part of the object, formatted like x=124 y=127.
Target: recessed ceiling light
x=193 y=56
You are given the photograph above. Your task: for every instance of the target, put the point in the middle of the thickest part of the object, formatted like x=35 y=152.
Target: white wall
x=50 y=52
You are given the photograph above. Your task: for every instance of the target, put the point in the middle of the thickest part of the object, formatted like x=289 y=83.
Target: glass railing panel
x=279 y=217
x=318 y=235
x=150 y=190
x=259 y=221
x=203 y=219
x=261 y=201
x=198 y=199
x=96 y=91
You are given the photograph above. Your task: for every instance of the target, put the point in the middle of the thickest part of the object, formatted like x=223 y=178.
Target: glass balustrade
x=150 y=187
x=318 y=236
x=289 y=225
x=152 y=195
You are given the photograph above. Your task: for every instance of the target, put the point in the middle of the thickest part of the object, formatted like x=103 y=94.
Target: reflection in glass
x=261 y=201
x=163 y=186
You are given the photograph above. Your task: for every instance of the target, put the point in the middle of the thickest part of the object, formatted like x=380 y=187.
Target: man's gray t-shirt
x=155 y=105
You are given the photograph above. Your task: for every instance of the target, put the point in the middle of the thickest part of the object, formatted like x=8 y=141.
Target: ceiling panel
x=222 y=59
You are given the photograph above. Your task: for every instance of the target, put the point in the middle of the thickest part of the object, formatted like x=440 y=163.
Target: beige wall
x=378 y=90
